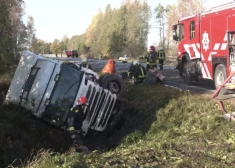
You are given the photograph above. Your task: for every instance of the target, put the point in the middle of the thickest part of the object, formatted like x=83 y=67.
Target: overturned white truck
x=49 y=88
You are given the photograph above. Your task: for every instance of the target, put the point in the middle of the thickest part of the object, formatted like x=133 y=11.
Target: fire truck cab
x=206 y=44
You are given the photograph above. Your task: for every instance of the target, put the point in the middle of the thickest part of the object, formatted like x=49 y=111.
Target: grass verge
x=163 y=128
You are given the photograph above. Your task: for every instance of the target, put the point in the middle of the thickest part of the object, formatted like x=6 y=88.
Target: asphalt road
x=172 y=76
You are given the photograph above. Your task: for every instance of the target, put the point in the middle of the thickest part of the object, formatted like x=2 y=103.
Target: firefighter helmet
x=151 y=48
x=83 y=101
x=84 y=59
x=136 y=62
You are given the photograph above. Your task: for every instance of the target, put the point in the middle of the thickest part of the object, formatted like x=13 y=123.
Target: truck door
x=36 y=84
x=194 y=50
x=206 y=46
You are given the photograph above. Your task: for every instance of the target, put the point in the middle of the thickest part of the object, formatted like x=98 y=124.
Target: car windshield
x=64 y=93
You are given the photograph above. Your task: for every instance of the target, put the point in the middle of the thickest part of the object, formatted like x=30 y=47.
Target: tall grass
x=164 y=127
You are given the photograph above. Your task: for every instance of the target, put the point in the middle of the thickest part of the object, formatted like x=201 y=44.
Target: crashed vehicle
x=48 y=88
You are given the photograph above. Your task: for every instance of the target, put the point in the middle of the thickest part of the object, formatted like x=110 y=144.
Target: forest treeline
x=112 y=32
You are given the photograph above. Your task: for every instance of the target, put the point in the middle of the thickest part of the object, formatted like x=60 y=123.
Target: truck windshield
x=64 y=93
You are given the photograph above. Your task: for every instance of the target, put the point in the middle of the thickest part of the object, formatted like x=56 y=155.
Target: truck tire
x=113 y=83
x=220 y=76
x=186 y=73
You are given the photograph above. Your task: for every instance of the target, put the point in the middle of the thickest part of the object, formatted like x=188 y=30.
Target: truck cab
x=48 y=88
x=205 y=45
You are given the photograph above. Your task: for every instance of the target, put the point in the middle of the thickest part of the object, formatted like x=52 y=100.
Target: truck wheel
x=186 y=73
x=113 y=83
x=219 y=77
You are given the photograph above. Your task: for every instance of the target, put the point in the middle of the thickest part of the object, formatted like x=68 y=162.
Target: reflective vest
x=161 y=54
x=143 y=73
x=74 y=116
x=151 y=59
x=137 y=71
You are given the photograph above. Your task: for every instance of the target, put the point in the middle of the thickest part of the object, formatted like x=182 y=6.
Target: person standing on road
x=161 y=57
x=151 y=58
x=85 y=64
x=74 y=123
x=137 y=72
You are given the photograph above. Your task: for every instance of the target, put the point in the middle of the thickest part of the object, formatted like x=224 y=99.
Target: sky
x=56 y=18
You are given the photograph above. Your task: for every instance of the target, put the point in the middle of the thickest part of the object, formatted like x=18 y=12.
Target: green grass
x=164 y=127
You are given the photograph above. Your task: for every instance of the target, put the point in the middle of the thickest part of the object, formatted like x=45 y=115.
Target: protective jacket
x=161 y=58
x=138 y=72
x=161 y=54
x=74 y=122
x=151 y=59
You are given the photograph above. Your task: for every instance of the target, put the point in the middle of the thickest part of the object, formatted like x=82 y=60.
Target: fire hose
x=220 y=103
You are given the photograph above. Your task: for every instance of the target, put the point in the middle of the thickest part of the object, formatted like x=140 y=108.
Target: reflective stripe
x=71 y=129
x=148 y=63
x=142 y=72
x=71 y=109
x=76 y=111
x=160 y=54
x=86 y=65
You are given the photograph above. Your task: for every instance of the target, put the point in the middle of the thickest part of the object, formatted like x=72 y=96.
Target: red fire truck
x=206 y=44
x=71 y=53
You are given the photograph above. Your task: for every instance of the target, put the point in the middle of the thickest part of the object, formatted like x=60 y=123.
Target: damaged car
x=48 y=88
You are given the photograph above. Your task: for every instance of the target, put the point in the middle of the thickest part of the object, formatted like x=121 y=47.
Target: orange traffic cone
x=109 y=67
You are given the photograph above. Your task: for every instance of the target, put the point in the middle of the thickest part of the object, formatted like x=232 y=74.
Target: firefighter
x=85 y=64
x=74 y=122
x=161 y=57
x=151 y=58
x=137 y=72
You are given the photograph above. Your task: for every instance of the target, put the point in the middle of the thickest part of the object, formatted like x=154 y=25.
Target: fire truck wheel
x=219 y=77
x=186 y=73
x=112 y=82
